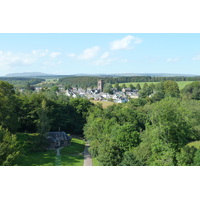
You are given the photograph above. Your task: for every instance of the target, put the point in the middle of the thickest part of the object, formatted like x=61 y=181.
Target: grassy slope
x=71 y=155
x=105 y=104
x=181 y=84
x=49 y=158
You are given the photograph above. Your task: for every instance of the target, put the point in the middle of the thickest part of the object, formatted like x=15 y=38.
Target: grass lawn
x=77 y=146
x=70 y=155
x=194 y=144
x=46 y=158
x=67 y=160
x=181 y=84
x=105 y=104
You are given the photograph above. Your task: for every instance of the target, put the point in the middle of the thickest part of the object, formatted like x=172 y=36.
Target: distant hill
x=139 y=74
x=28 y=74
x=40 y=74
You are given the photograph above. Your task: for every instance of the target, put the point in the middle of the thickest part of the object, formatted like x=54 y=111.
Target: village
x=98 y=94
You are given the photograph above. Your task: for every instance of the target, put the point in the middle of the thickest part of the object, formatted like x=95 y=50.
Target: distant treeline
x=87 y=81
x=22 y=80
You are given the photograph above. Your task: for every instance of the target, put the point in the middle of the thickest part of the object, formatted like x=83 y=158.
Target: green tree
x=131 y=87
x=159 y=92
x=191 y=91
x=171 y=119
x=186 y=156
x=129 y=159
x=138 y=87
x=55 y=88
x=67 y=87
x=109 y=153
x=43 y=122
x=117 y=86
x=197 y=158
x=123 y=85
x=108 y=88
x=8 y=107
x=145 y=91
x=171 y=89
x=9 y=148
x=145 y=86
x=126 y=137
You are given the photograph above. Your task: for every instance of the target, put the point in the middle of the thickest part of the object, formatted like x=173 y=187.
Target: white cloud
x=59 y=62
x=105 y=55
x=173 y=59
x=9 y=60
x=40 y=52
x=89 y=53
x=54 y=54
x=103 y=60
x=71 y=55
x=197 y=57
x=125 y=43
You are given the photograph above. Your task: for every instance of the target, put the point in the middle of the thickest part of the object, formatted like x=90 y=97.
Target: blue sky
x=67 y=53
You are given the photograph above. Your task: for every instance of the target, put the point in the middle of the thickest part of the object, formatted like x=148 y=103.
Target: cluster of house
x=98 y=95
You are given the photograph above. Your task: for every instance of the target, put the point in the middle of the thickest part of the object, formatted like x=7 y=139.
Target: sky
x=91 y=53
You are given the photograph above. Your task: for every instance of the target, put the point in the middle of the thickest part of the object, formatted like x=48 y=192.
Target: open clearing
x=105 y=104
x=181 y=84
x=70 y=156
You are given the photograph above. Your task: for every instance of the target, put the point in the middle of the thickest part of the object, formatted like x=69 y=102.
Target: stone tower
x=100 y=85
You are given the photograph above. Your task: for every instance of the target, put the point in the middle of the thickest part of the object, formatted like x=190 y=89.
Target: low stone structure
x=57 y=139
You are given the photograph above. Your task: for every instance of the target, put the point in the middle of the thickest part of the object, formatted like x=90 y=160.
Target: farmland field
x=181 y=84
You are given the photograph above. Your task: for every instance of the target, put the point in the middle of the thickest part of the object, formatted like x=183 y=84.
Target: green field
x=70 y=156
x=181 y=84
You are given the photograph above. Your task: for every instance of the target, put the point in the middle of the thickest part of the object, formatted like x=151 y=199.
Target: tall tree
x=44 y=121
x=9 y=148
x=108 y=88
x=138 y=87
x=8 y=107
x=171 y=89
x=131 y=87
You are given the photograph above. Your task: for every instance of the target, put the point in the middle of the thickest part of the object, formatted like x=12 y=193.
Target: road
x=87 y=156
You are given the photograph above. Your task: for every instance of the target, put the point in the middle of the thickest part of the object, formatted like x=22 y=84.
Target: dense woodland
x=30 y=112
x=151 y=131
x=155 y=129
x=88 y=81
x=21 y=82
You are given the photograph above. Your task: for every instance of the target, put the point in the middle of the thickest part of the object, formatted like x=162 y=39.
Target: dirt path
x=87 y=156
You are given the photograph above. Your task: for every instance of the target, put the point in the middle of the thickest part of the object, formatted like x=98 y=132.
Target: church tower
x=100 y=85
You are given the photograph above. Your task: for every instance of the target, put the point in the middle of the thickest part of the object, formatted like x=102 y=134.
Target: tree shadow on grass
x=46 y=158
x=50 y=159
x=74 y=148
x=67 y=160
